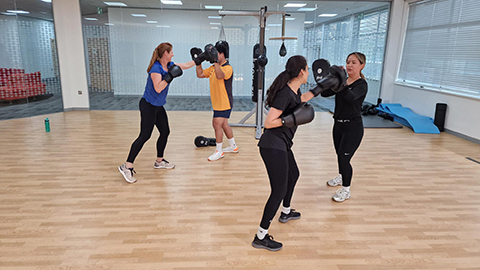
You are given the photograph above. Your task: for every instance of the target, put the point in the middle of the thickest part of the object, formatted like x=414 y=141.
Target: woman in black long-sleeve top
x=348 y=126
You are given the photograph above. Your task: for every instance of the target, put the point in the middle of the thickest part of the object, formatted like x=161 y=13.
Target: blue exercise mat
x=405 y=116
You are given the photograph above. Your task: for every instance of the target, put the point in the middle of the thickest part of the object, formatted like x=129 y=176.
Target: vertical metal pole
x=261 y=71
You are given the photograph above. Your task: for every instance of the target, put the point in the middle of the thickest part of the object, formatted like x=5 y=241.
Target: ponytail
x=280 y=81
x=293 y=67
x=158 y=53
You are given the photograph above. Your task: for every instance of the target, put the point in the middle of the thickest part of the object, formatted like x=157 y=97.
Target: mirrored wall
x=29 y=74
x=120 y=38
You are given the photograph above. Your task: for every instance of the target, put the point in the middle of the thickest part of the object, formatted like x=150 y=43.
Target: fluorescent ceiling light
x=289 y=19
x=307 y=9
x=295 y=5
x=139 y=15
x=164 y=26
x=47 y=1
x=213 y=7
x=109 y=24
x=272 y=24
x=327 y=15
x=7 y=13
x=115 y=4
x=152 y=22
x=91 y=19
x=308 y=22
x=170 y=2
x=215 y=23
x=214 y=27
x=214 y=17
x=18 y=11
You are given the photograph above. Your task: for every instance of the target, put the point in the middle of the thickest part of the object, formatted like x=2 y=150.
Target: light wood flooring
x=63 y=204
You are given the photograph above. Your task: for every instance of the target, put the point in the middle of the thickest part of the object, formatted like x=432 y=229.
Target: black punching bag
x=440 y=111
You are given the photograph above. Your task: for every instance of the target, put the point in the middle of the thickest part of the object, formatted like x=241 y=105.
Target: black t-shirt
x=348 y=102
x=281 y=138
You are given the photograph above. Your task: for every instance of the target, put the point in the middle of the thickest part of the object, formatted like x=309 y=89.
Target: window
x=441 y=47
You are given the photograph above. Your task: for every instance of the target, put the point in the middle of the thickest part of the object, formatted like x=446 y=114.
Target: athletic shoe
x=230 y=149
x=337 y=181
x=284 y=218
x=127 y=173
x=164 y=164
x=341 y=195
x=215 y=156
x=267 y=243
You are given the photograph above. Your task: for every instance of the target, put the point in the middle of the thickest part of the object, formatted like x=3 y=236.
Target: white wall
x=71 y=57
x=132 y=42
x=462 y=113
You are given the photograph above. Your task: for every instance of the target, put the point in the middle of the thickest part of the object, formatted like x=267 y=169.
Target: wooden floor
x=63 y=204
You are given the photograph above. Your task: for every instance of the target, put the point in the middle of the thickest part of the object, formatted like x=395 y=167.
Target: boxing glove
x=302 y=114
x=211 y=53
x=173 y=72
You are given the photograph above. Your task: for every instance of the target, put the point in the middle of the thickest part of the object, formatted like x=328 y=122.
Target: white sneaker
x=337 y=181
x=230 y=149
x=215 y=156
x=127 y=173
x=341 y=195
x=164 y=164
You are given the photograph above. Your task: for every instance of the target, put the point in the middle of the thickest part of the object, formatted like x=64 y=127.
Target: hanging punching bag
x=283 y=50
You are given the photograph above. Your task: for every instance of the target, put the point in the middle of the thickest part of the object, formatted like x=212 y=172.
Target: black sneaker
x=284 y=218
x=267 y=243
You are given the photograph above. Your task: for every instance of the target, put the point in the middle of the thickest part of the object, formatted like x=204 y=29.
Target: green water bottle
x=47 y=125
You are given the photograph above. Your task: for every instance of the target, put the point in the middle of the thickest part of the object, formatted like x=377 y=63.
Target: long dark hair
x=158 y=53
x=293 y=67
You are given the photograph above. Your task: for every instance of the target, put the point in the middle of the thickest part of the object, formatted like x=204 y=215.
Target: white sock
x=286 y=210
x=261 y=233
x=219 y=147
x=232 y=142
x=346 y=188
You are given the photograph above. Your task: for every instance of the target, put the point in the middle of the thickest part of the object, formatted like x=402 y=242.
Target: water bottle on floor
x=47 y=125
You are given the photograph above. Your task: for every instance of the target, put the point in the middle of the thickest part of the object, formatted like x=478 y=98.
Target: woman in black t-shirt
x=348 y=126
x=283 y=98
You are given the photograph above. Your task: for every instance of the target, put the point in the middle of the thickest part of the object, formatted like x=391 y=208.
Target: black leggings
x=151 y=116
x=283 y=174
x=346 y=138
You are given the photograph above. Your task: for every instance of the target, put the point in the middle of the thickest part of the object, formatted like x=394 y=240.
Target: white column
x=71 y=57
x=396 y=33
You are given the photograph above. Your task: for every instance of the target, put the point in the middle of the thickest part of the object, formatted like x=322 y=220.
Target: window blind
x=441 y=49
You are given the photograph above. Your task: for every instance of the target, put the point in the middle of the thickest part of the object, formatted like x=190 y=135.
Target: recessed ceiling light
x=109 y=24
x=7 y=13
x=91 y=19
x=115 y=4
x=170 y=2
x=213 y=7
x=214 y=17
x=289 y=19
x=327 y=15
x=215 y=23
x=214 y=27
x=18 y=11
x=164 y=26
x=139 y=15
x=295 y=5
x=152 y=22
x=307 y=9
x=308 y=22
x=273 y=24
